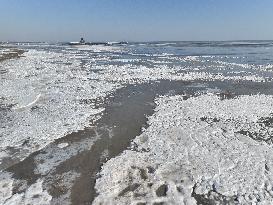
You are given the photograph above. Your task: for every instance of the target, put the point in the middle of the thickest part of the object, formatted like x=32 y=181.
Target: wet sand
x=124 y=117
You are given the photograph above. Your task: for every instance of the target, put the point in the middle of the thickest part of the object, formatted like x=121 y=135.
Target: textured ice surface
x=55 y=90
x=195 y=149
x=47 y=96
x=35 y=194
x=49 y=93
x=5 y=186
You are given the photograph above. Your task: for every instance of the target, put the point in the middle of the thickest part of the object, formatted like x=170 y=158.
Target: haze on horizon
x=135 y=20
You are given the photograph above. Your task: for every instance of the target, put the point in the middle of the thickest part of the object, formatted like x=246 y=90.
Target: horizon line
x=148 y=41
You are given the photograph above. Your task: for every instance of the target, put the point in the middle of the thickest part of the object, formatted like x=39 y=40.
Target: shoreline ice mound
x=194 y=151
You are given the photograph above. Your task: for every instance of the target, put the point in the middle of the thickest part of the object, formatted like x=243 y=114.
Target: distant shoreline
x=133 y=41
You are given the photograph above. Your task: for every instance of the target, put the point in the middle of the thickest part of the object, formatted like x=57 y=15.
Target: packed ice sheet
x=193 y=150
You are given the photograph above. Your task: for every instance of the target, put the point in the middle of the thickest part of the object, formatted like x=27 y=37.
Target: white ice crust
x=48 y=94
x=35 y=194
x=52 y=94
x=195 y=147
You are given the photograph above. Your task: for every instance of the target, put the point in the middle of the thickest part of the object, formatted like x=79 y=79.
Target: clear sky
x=135 y=20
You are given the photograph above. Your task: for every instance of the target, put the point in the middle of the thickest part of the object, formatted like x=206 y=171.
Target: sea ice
x=207 y=143
x=35 y=194
x=49 y=94
x=195 y=149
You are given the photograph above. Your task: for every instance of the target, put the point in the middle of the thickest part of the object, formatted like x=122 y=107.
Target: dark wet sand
x=123 y=119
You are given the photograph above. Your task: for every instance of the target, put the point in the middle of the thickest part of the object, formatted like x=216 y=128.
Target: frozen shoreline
x=193 y=150
x=39 y=98
x=53 y=98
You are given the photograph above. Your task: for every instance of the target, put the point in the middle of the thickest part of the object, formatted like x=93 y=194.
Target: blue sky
x=135 y=20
